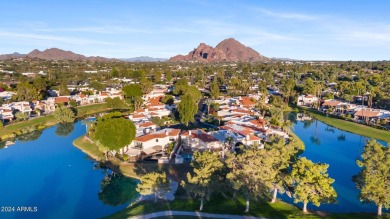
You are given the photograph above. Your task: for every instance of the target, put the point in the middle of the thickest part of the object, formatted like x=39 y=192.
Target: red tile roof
x=241 y=111
x=246 y=101
x=61 y=99
x=258 y=122
x=155 y=101
x=367 y=113
x=205 y=137
x=254 y=138
x=136 y=116
x=146 y=124
x=331 y=103
x=161 y=134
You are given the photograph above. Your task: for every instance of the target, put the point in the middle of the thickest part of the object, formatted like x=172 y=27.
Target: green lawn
x=48 y=120
x=95 y=108
x=32 y=122
x=351 y=126
x=88 y=148
x=225 y=205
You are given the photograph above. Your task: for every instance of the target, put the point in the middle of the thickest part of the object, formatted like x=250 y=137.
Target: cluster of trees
x=253 y=173
x=190 y=96
x=353 y=78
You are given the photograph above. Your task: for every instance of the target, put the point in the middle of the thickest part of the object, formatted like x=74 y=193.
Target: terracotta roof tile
x=246 y=101
x=146 y=124
x=367 y=113
x=61 y=99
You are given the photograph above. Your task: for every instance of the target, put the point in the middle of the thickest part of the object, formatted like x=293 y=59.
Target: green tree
x=114 y=133
x=214 y=89
x=115 y=103
x=97 y=86
x=309 y=86
x=251 y=173
x=132 y=90
x=282 y=155
x=64 y=114
x=157 y=120
x=194 y=92
x=168 y=99
x=187 y=109
x=374 y=178
x=26 y=92
x=63 y=89
x=146 y=85
x=311 y=183
x=205 y=165
x=180 y=87
x=154 y=183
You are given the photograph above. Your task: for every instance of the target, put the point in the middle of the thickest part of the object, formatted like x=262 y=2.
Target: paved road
x=195 y=214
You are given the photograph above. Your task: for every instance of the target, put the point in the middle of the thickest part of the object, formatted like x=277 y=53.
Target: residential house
x=153 y=142
x=307 y=100
x=200 y=140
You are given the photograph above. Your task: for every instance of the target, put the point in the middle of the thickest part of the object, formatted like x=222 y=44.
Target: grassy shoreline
x=113 y=163
x=350 y=126
x=221 y=205
x=42 y=122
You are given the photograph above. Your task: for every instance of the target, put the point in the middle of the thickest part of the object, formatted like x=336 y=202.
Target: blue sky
x=310 y=30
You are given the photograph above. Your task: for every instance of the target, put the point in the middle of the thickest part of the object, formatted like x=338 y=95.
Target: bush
x=40 y=127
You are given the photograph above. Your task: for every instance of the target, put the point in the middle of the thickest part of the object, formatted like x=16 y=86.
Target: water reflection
x=30 y=136
x=116 y=189
x=341 y=137
x=64 y=129
x=339 y=149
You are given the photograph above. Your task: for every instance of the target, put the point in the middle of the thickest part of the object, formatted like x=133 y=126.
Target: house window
x=156 y=140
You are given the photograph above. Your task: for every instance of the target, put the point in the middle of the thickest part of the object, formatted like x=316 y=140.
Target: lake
x=58 y=180
x=47 y=173
x=339 y=149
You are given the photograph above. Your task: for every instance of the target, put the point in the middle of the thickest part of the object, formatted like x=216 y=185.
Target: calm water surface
x=54 y=176
x=340 y=150
x=49 y=173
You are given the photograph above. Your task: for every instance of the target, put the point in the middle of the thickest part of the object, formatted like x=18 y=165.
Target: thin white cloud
x=68 y=40
x=102 y=30
x=285 y=15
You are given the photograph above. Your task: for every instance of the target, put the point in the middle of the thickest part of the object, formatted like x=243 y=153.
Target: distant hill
x=14 y=55
x=229 y=50
x=144 y=59
x=59 y=54
x=54 y=54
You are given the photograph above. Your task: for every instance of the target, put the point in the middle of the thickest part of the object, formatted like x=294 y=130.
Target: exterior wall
x=151 y=143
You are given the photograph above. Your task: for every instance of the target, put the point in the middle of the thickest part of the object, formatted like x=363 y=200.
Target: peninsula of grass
x=350 y=126
x=223 y=204
x=11 y=131
x=133 y=170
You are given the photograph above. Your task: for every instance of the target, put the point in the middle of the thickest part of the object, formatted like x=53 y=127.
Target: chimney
x=247 y=137
x=146 y=110
x=189 y=132
x=166 y=132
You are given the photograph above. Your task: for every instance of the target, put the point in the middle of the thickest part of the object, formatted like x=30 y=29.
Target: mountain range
x=54 y=54
x=229 y=50
x=144 y=59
